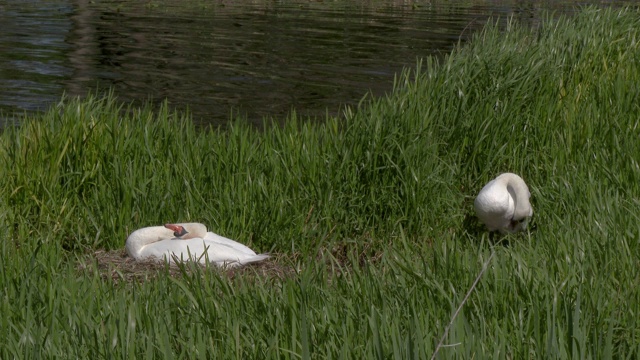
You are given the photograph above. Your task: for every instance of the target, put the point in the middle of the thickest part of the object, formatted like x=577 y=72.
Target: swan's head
x=187 y=230
x=516 y=225
x=178 y=230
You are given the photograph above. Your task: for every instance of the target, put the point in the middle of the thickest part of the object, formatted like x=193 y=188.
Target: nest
x=118 y=266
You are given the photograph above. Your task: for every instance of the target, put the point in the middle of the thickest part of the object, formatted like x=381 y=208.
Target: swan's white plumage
x=503 y=204
x=160 y=243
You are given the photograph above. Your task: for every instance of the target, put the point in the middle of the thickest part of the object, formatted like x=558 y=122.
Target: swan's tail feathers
x=255 y=258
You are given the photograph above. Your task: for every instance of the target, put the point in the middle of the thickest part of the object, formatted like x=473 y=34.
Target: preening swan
x=188 y=241
x=503 y=204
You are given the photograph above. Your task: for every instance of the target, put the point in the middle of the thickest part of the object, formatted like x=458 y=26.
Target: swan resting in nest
x=188 y=242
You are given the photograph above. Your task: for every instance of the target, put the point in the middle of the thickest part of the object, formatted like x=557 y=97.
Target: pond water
x=260 y=58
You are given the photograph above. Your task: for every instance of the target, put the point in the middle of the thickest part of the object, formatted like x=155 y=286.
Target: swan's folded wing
x=173 y=249
x=213 y=249
x=215 y=238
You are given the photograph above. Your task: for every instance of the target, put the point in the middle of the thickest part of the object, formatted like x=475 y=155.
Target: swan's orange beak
x=178 y=230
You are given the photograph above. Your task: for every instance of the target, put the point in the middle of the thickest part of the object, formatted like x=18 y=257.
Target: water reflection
x=259 y=58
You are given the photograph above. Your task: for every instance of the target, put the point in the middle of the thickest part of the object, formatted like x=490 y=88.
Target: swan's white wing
x=201 y=250
x=215 y=238
x=181 y=249
x=165 y=249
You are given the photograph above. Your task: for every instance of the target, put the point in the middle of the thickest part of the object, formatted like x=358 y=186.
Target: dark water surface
x=257 y=58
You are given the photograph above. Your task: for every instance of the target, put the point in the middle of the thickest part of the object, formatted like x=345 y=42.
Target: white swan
x=503 y=204
x=188 y=241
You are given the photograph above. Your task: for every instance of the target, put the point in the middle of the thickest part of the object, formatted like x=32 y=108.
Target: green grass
x=373 y=211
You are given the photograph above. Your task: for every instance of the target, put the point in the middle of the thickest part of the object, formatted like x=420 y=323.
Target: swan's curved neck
x=520 y=192
x=145 y=236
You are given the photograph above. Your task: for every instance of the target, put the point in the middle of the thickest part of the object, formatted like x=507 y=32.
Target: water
x=260 y=59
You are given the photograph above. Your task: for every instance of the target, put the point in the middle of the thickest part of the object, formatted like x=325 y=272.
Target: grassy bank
x=370 y=216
